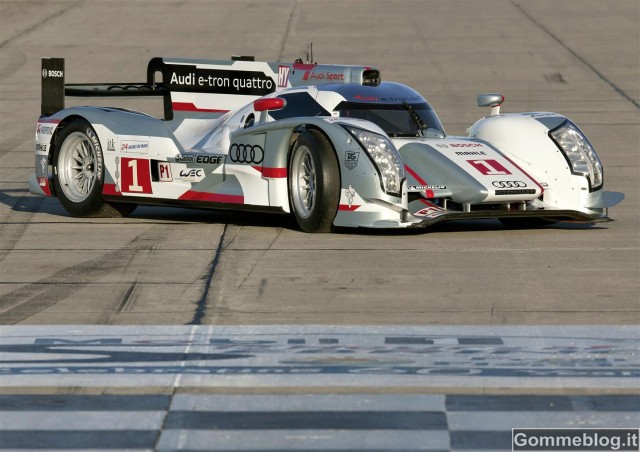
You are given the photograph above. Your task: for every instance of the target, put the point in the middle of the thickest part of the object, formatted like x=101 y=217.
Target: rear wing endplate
x=54 y=88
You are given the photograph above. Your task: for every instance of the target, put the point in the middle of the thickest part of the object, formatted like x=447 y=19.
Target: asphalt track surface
x=407 y=328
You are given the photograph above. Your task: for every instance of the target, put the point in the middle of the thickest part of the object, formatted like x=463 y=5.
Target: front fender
x=524 y=137
x=362 y=200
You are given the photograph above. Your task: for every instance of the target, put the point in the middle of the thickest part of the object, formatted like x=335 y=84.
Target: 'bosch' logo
x=508 y=184
x=246 y=153
x=50 y=73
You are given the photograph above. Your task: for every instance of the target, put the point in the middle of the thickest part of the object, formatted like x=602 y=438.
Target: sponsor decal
x=420 y=180
x=185 y=158
x=206 y=159
x=470 y=153
x=430 y=212
x=526 y=191
x=426 y=187
x=246 y=153
x=542 y=115
x=117 y=187
x=111 y=145
x=508 y=184
x=164 y=172
x=366 y=98
x=442 y=145
x=42 y=148
x=283 y=76
x=135 y=147
x=328 y=76
x=465 y=145
x=96 y=143
x=45 y=129
x=489 y=167
x=351 y=159
x=43 y=164
x=187 y=78
x=191 y=174
x=44 y=183
x=49 y=73
x=350 y=194
x=136 y=176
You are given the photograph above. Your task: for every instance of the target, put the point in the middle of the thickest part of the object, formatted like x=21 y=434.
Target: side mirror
x=493 y=100
x=267 y=104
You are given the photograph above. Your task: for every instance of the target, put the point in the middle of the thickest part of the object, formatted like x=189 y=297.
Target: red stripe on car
x=523 y=172
x=189 y=106
x=43 y=182
x=110 y=189
x=420 y=180
x=274 y=173
x=211 y=197
x=303 y=66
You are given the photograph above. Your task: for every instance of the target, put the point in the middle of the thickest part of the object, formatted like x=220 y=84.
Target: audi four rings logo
x=508 y=184
x=246 y=153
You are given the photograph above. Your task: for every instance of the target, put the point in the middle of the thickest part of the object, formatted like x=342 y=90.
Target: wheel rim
x=77 y=167
x=303 y=182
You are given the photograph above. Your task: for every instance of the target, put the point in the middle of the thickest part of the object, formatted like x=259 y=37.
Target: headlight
x=579 y=153
x=385 y=157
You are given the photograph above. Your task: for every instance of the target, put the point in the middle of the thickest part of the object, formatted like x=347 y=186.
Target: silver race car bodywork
x=332 y=145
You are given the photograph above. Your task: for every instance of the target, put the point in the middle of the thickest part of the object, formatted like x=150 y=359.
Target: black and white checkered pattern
x=363 y=422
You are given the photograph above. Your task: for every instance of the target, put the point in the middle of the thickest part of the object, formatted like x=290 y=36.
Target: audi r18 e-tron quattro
x=332 y=145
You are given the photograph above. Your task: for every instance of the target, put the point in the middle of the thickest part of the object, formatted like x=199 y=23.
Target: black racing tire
x=526 y=223
x=78 y=173
x=314 y=182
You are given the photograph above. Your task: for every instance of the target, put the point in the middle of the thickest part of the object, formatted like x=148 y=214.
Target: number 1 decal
x=136 y=176
x=489 y=167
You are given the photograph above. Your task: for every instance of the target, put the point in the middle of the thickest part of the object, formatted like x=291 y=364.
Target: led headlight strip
x=579 y=153
x=385 y=157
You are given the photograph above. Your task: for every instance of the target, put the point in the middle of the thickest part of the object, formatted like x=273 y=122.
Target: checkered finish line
x=321 y=356
x=197 y=422
x=308 y=387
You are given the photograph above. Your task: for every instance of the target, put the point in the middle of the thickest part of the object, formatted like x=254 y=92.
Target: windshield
x=395 y=119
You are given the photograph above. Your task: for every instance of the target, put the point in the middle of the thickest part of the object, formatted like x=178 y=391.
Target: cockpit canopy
x=397 y=109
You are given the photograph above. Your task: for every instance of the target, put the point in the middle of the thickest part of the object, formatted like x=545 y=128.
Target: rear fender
x=116 y=130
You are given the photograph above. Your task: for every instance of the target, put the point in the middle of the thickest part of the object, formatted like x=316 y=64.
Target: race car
x=332 y=145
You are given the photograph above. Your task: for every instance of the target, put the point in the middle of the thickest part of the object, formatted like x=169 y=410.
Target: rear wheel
x=78 y=173
x=314 y=182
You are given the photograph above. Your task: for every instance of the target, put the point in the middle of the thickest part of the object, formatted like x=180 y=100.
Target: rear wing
x=202 y=87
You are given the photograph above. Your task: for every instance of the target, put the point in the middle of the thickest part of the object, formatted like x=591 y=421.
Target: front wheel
x=78 y=173
x=314 y=182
